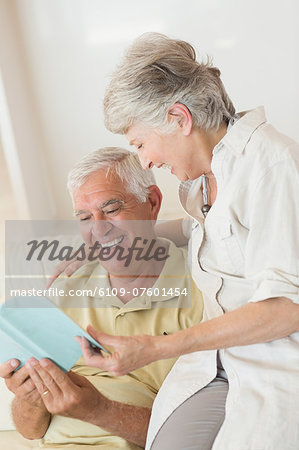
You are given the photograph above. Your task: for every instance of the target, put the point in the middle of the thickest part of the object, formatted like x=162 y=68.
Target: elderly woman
x=237 y=387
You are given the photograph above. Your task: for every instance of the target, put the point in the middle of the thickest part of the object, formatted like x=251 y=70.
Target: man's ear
x=155 y=199
x=183 y=117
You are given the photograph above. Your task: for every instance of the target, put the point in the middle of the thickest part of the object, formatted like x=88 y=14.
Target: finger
x=54 y=378
x=17 y=379
x=66 y=267
x=53 y=278
x=26 y=388
x=34 y=375
x=59 y=269
x=33 y=397
x=7 y=368
x=78 y=379
x=20 y=383
x=26 y=391
x=102 y=338
x=43 y=379
x=51 y=281
x=71 y=268
x=87 y=350
x=94 y=358
x=87 y=347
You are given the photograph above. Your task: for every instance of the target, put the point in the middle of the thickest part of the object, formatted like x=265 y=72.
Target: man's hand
x=129 y=354
x=7 y=368
x=66 y=394
x=19 y=383
x=71 y=395
x=29 y=412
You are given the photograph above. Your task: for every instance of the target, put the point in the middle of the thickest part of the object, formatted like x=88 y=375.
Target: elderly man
x=140 y=284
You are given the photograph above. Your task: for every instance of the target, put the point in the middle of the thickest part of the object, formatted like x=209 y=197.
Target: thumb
x=102 y=338
x=78 y=379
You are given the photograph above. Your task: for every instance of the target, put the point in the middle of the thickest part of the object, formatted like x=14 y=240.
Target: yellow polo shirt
x=162 y=312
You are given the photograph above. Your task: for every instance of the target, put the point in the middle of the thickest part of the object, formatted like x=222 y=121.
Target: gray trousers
x=194 y=424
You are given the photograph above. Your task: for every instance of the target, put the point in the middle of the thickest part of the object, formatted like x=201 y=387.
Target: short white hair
x=157 y=72
x=122 y=162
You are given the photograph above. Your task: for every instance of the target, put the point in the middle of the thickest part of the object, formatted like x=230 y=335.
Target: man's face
x=112 y=216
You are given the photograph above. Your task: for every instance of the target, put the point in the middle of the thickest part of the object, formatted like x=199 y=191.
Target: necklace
x=205 y=207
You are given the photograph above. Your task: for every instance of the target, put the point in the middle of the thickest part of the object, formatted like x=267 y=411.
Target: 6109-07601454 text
x=98 y=291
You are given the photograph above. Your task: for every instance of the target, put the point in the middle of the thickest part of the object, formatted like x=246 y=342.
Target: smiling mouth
x=166 y=166
x=113 y=243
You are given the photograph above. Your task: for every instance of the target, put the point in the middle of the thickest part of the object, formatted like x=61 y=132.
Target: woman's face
x=174 y=150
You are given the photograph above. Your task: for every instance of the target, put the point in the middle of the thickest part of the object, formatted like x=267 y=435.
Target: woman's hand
x=66 y=267
x=252 y=323
x=129 y=353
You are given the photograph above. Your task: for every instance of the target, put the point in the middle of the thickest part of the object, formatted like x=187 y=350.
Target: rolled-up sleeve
x=272 y=247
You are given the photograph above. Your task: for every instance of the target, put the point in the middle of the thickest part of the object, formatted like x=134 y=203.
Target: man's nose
x=101 y=228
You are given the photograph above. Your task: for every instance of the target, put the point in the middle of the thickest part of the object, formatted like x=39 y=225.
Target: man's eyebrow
x=80 y=211
x=109 y=202
x=112 y=201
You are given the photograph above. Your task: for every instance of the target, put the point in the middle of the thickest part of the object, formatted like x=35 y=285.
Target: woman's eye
x=139 y=147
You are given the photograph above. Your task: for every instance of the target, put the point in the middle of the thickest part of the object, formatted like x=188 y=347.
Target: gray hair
x=119 y=160
x=157 y=72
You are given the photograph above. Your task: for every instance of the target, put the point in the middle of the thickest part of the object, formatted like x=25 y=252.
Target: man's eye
x=82 y=219
x=112 y=211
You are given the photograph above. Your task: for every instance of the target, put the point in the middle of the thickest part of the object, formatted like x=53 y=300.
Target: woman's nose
x=146 y=163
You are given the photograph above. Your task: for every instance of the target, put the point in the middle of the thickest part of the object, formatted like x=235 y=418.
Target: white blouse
x=245 y=250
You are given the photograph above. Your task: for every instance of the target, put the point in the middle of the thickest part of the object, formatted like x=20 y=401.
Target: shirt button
x=122 y=314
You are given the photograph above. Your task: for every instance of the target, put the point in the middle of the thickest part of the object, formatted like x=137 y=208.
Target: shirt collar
x=240 y=133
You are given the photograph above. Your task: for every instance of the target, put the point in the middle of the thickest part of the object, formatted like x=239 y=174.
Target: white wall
x=6 y=396
x=20 y=127
x=68 y=49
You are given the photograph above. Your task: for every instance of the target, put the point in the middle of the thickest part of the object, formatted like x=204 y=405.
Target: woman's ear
x=155 y=199
x=182 y=115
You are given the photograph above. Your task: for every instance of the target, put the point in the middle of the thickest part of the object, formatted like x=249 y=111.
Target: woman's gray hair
x=124 y=163
x=157 y=72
